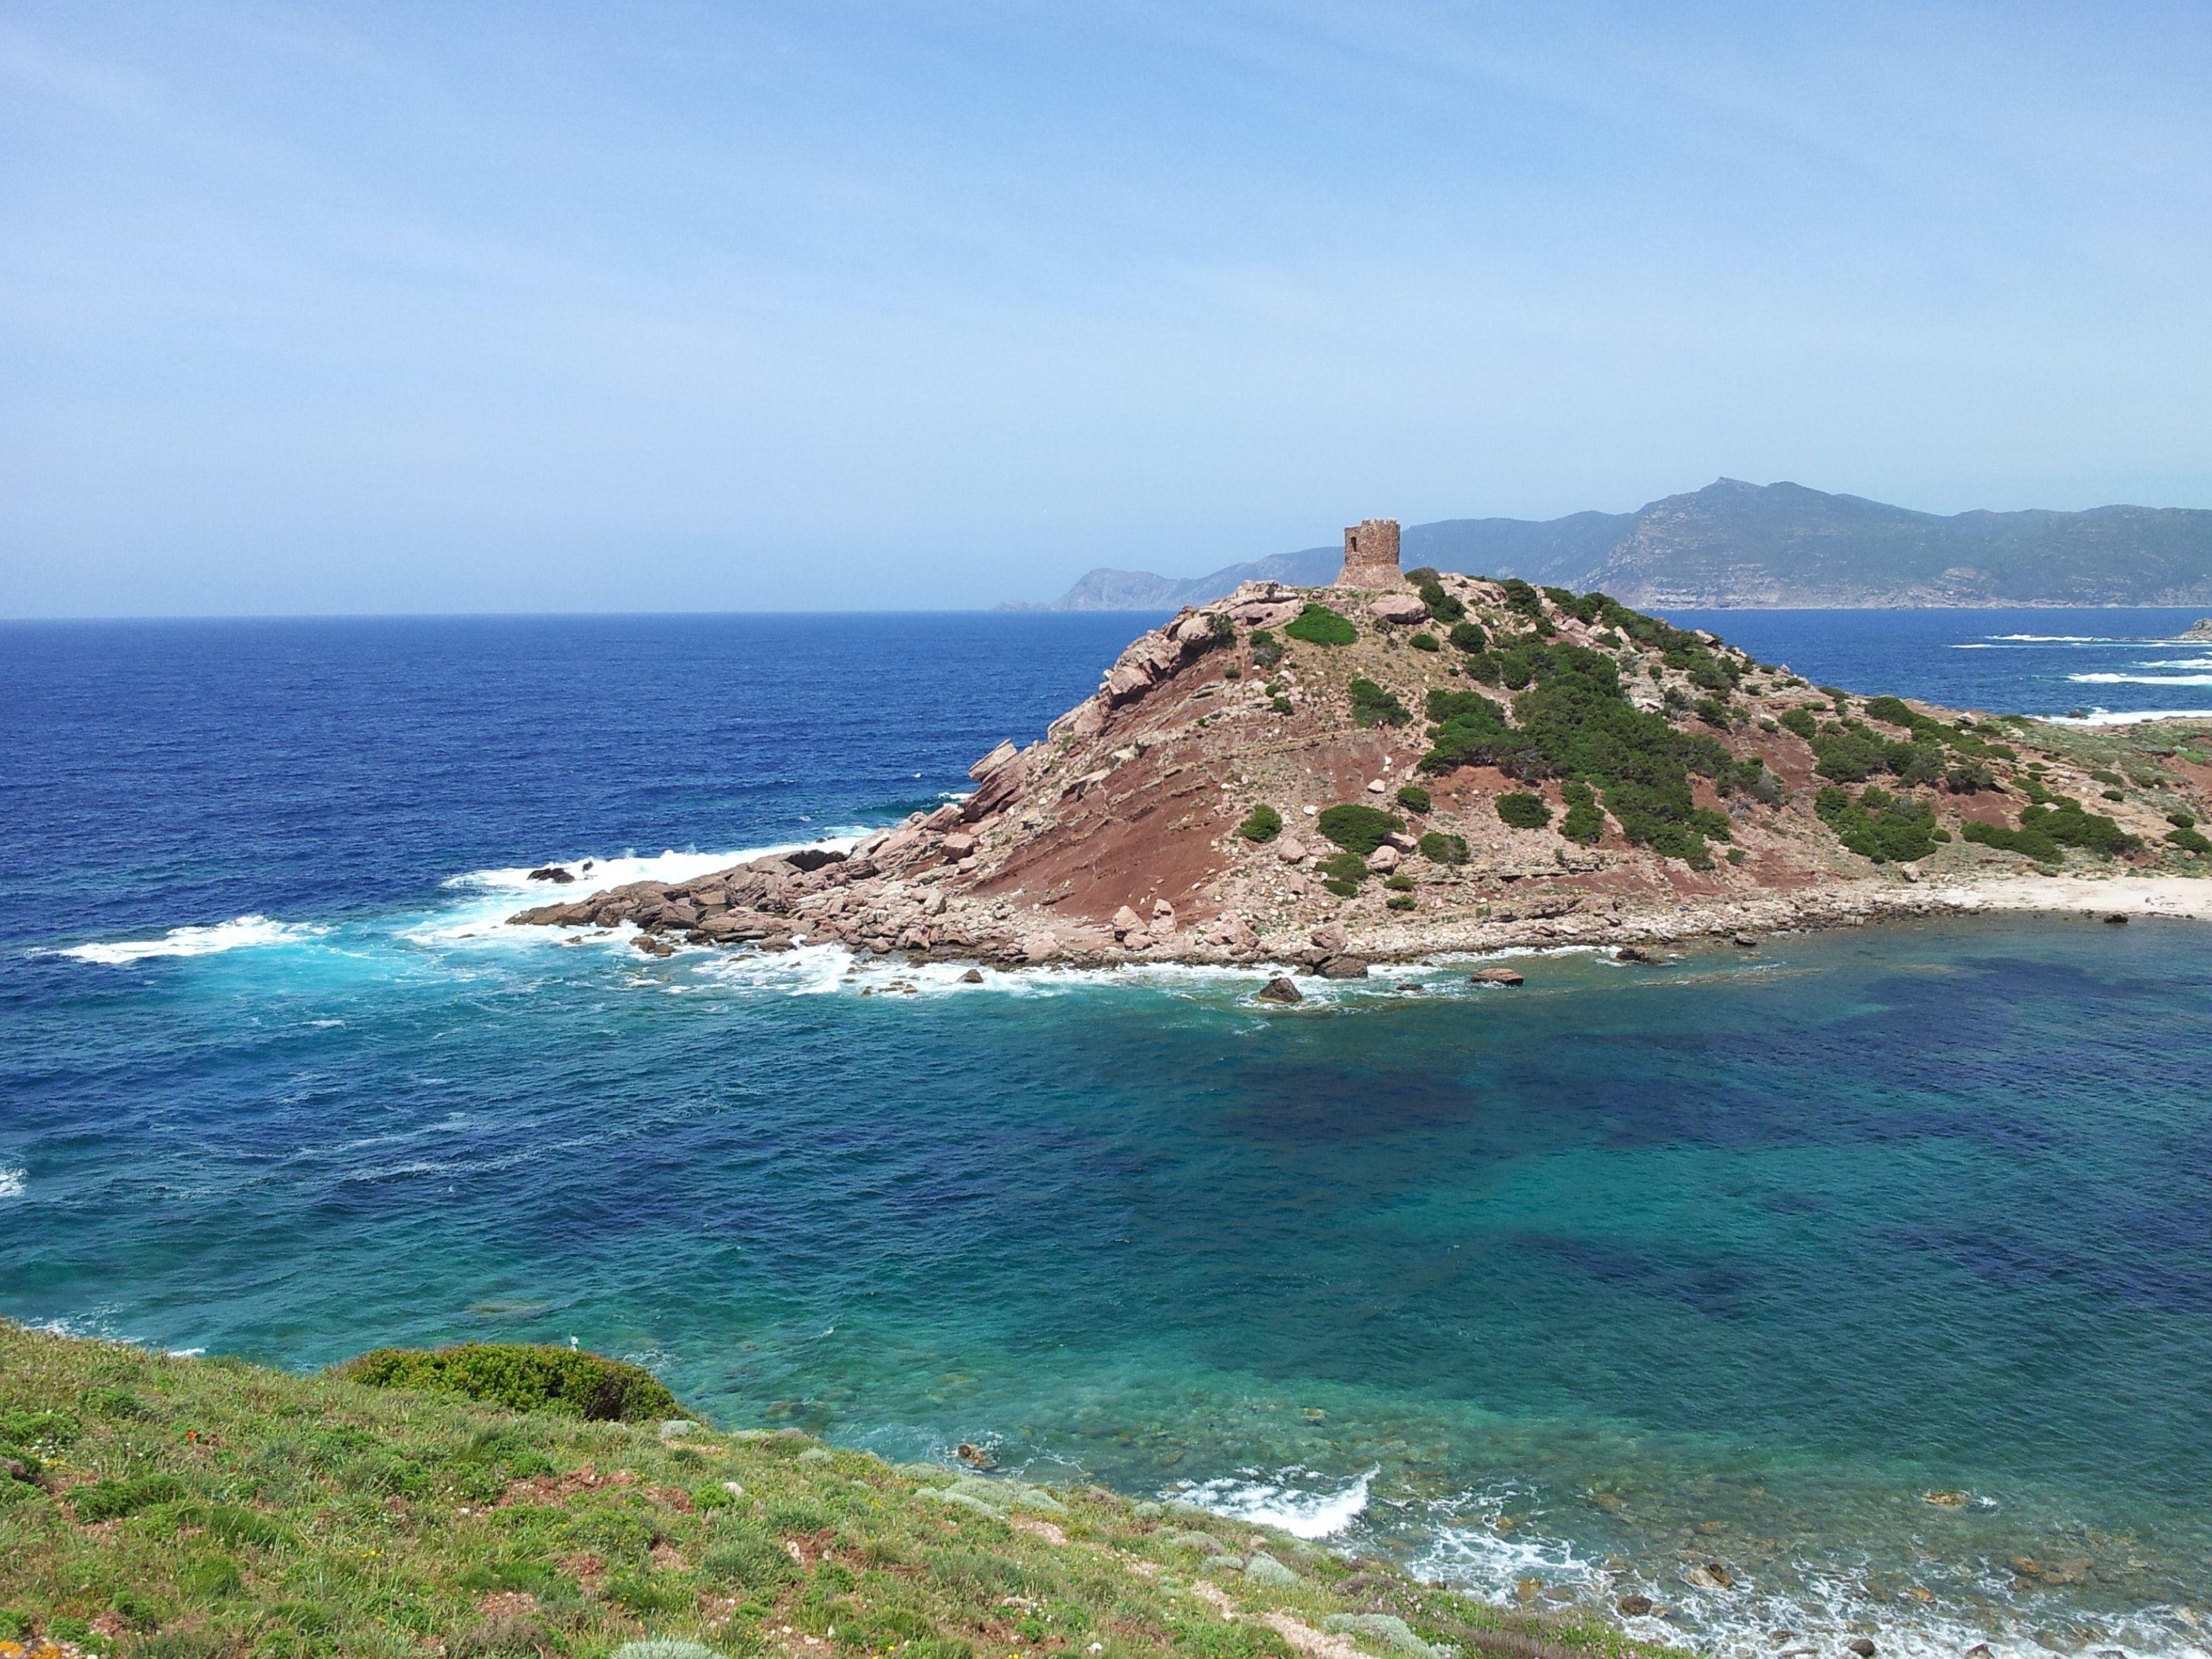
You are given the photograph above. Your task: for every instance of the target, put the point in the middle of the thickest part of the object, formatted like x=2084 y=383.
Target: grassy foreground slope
x=157 y=1505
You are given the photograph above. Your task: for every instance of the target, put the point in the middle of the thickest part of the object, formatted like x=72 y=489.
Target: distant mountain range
x=1768 y=546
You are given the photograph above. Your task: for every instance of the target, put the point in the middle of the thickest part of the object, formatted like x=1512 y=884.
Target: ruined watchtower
x=1370 y=555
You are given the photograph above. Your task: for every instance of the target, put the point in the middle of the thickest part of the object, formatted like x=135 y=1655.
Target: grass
x=1319 y=625
x=192 y=1508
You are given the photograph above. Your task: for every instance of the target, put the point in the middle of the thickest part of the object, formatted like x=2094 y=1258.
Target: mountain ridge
x=1735 y=546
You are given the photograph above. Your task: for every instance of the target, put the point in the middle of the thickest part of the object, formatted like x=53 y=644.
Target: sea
x=1859 y=1285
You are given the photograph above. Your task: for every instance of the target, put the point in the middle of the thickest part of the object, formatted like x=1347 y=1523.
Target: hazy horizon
x=310 y=311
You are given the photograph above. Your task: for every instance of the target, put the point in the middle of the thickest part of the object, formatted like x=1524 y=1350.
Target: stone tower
x=1370 y=555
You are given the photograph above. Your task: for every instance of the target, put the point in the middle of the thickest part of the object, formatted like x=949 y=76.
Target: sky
x=390 y=308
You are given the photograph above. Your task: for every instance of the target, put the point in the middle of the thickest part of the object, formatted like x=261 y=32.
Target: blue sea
x=1870 y=1266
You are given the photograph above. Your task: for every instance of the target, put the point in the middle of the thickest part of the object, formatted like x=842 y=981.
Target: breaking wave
x=244 y=933
x=1287 y=1500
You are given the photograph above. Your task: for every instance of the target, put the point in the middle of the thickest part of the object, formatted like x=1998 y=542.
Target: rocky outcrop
x=1130 y=832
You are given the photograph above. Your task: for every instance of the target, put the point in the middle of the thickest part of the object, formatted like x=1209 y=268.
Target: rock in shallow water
x=1279 y=990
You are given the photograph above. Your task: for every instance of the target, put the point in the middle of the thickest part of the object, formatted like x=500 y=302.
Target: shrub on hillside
x=1439 y=846
x=1524 y=812
x=1468 y=637
x=1426 y=643
x=1584 y=822
x=1319 y=625
x=1415 y=799
x=1342 y=873
x=1372 y=705
x=1266 y=649
x=522 y=1377
x=1885 y=827
x=1357 y=829
x=1263 y=824
x=1801 y=721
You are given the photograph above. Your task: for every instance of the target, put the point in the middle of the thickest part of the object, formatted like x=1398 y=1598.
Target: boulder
x=1634 y=1607
x=1863 y=1646
x=1401 y=608
x=1279 y=990
x=1402 y=842
x=1494 y=976
x=1329 y=936
x=1042 y=947
x=1384 y=858
x=1290 y=850
x=943 y=818
x=1749 y=941
x=1086 y=719
x=992 y=762
x=973 y=976
x=1126 y=921
x=1163 y=916
x=812 y=858
x=933 y=903
x=554 y=873
x=1124 y=683
x=1344 y=966
x=958 y=845
x=652 y=947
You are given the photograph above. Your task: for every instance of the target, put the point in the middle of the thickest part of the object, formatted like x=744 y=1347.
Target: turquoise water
x=1560 y=1291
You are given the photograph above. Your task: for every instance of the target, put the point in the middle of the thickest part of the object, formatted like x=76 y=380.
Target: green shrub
x=1439 y=846
x=2182 y=820
x=746 y=1554
x=1342 y=873
x=1280 y=704
x=1443 y=607
x=2188 y=840
x=1467 y=636
x=1372 y=705
x=1969 y=778
x=1266 y=649
x=1889 y=829
x=1714 y=713
x=2114 y=779
x=1357 y=829
x=1848 y=757
x=1524 y=812
x=1398 y=883
x=1801 y=721
x=1263 y=824
x=2053 y=823
x=1415 y=799
x=1400 y=902
x=1426 y=643
x=1319 y=625
x=1584 y=822
x=1891 y=711
x=520 y=1377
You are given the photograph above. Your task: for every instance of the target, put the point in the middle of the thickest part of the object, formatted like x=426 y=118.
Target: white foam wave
x=2141 y=680
x=2177 y=662
x=2059 y=639
x=12 y=1182
x=244 y=933
x=665 y=866
x=2126 y=717
x=1286 y=1500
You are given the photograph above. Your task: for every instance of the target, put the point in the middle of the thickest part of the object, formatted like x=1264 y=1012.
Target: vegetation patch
x=1264 y=824
x=1266 y=649
x=1468 y=637
x=1426 y=643
x=1524 y=812
x=1415 y=799
x=1342 y=873
x=2051 y=823
x=521 y=1377
x=1576 y=722
x=1373 y=705
x=1887 y=829
x=1440 y=847
x=1584 y=822
x=1319 y=625
x=1357 y=829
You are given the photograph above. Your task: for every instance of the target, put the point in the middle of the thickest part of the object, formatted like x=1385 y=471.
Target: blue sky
x=389 y=308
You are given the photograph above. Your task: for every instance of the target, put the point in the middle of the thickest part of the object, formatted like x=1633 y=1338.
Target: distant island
x=1779 y=546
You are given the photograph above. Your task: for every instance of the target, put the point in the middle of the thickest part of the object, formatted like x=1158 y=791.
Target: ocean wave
x=1288 y=1500
x=243 y=933
x=2141 y=680
x=619 y=871
x=12 y=1182
x=2126 y=717
x=2060 y=639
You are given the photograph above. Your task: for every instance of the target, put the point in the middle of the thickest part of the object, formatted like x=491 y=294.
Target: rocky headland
x=1326 y=778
